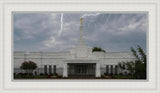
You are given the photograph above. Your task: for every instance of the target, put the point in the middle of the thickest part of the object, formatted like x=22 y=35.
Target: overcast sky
x=114 y=32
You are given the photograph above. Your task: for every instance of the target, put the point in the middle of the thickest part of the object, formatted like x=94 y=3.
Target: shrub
x=28 y=66
x=59 y=76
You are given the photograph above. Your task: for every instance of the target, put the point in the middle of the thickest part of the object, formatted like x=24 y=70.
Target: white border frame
x=151 y=6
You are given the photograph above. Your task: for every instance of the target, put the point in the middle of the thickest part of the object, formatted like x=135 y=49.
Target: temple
x=77 y=62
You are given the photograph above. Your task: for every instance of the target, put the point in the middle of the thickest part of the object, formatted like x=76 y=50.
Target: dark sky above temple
x=114 y=32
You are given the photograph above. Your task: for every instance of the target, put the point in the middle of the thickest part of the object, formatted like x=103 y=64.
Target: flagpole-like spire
x=81 y=41
x=81 y=21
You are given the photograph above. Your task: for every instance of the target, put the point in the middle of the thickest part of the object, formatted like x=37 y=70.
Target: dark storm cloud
x=118 y=32
x=113 y=32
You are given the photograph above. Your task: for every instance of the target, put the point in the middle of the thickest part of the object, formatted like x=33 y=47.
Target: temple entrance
x=81 y=69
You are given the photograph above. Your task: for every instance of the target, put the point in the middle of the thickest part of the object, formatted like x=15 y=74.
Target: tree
x=137 y=68
x=129 y=65
x=98 y=49
x=140 y=63
x=122 y=65
x=28 y=66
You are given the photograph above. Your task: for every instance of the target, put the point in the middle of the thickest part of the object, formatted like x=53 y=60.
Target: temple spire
x=81 y=40
x=81 y=21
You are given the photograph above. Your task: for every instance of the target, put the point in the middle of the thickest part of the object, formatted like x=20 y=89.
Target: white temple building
x=79 y=61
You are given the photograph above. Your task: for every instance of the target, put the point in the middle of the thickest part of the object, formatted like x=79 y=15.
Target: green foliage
x=36 y=77
x=134 y=53
x=137 y=68
x=98 y=49
x=29 y=77
x=129 y=65
x=140 y=63
x=28 y=66
x=123 y=77
x=106 y=77
x=117 y=77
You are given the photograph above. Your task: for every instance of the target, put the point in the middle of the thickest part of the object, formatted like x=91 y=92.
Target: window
x=50 y=69
x=54 y=69
x=107 y=69
x=111 y=69
x=45 y=69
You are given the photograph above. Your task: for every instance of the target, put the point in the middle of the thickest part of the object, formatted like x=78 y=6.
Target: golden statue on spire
x=81 y=20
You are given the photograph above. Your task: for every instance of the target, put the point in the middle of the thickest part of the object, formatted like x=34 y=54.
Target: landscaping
x=37 y=76
x=60 y=77
x=117 y=77
x=127 y=69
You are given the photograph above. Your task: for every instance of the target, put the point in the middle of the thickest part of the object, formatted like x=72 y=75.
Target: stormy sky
x=113 y=32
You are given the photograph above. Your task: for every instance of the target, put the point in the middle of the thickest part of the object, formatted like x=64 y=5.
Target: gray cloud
x=112 y=32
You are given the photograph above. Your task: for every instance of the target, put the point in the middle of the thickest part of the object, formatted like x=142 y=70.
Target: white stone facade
x=60 y=59
x=80 y=54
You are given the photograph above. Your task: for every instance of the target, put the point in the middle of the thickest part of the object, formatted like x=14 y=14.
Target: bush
x=102 y=76
x=123 y=77
x=27 y=77
x=53 y=77
x=28 y=66
x=59 y=76
x=108 y=77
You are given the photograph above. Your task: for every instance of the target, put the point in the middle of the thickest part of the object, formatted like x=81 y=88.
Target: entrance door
x=81 y=69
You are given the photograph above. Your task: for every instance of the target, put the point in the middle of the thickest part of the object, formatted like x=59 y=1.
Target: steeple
x=81 y=40
x=81 y=50
x=81 y=21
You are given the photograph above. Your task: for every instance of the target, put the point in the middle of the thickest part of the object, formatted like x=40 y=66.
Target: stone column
x=47 y=69
x=65 y=70
x=98 y=73
x=113 y=70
